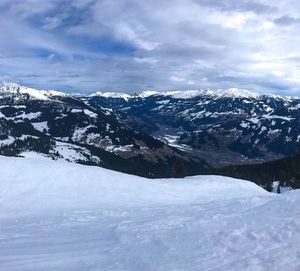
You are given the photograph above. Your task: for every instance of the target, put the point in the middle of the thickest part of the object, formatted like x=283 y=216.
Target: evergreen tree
x=269 y=187
x=179 y=169
x=278 y=189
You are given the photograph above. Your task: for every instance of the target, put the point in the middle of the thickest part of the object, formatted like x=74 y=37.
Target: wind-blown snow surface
x=63 y=216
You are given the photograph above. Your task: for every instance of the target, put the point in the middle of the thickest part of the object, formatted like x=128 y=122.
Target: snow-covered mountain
x=63 y=216
x=203 y=128
x=223 y=127
x=17 y=91
x=62 y=126
x=56 y=215
x=183 y=94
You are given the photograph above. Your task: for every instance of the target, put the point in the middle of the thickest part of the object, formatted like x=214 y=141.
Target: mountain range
x=220 y=126
x=149 y=133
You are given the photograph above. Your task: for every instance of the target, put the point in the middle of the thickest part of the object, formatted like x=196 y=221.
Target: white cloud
x=131 y=44
x=278 y=73
x=177 y=79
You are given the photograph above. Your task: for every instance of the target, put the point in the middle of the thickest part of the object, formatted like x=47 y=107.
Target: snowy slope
x=88 y=218
x=39 y=184
x=12 y=88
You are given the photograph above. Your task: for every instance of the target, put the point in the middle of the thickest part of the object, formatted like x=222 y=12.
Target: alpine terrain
x=62 y=126
x=223 y=127
x=148 y=134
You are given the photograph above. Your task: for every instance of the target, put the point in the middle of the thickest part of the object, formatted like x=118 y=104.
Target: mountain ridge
x=66 y=127
x=202 y=128
x=181 y=94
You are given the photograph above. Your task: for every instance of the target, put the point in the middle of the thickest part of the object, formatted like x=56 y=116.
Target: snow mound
x=38 y=185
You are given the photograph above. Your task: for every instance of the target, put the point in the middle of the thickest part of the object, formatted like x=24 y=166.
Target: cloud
x=131 y=45
x=241 y=6
x=286 y=20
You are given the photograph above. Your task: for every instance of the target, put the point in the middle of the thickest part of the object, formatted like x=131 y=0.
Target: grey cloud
x=286 y=20
x=237 y=5
x=30 y=75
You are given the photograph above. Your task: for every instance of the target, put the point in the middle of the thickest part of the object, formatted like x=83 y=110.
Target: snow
x=33 y=93
x=255 y=120
x=40 y=126
x=61 y=116
x=63 y=216
x=23 y=115
x=69 y=151
x=9 y=140
x=277 y=117
x=283 y=189
x=63 y=151
x=31 y=115
x=240 y=93
x=276 y=131
x=245 y=125
x=90 y=113
x=262 y=129
x=100 y=187
x=184 y=94
x=75 y=110
x=85 y=111
x=296 y=107
x=56 y=93
x=81 y=132
x=40 y=95
x=172 y=140
x=178 y=94
x=111 y=95
x=34 y=155
x=163 y=102
x=147 y=93
x=188 y=94
x=117 y=148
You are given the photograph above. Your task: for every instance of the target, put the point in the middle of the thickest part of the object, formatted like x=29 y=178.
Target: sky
x=136 y=45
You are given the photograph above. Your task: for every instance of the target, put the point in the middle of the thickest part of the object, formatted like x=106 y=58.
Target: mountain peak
x=177 y=94
x=240 y=93
x=13 y=88
x=183 y=94
x=8 y=85
x=111 y=95
x=213 y=92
